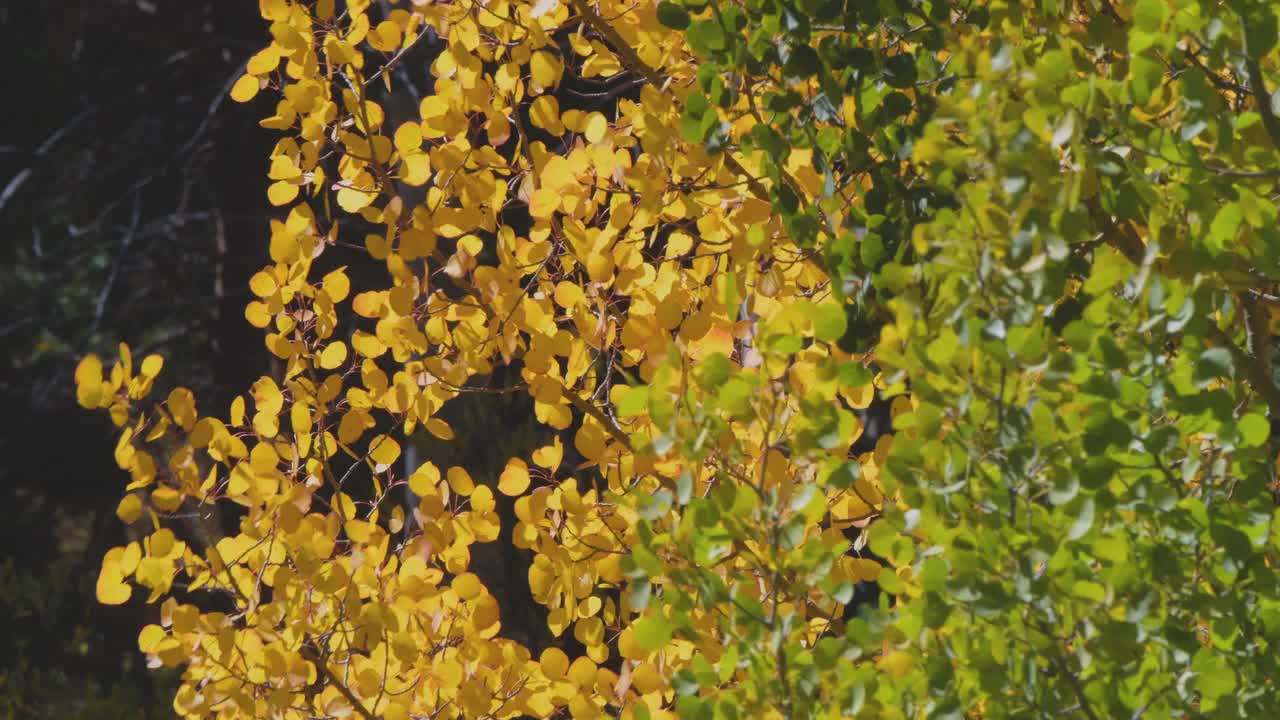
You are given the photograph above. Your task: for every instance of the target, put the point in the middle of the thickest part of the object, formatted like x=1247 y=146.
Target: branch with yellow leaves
x=632 y=61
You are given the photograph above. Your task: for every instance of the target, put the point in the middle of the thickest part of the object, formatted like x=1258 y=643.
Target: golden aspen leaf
x=415 y=169
x=554 y=663
x=545 y=69
x=368 y=304
x=645 y=679
x=237 y=411
x=460 y=481
x=897 y=663
x=600 y=267
x=424 y=480
x=257 y=314
x=150 y=637
x=439 y=428
x=367 y=345
x=467 y=585
x=263 y=284
x=166 y=499
x=267 y=396
x=151 y=366
x=482 y=501
x=545 y=113
x=182 y=406
x=263 y=62
x=334 y=354
x=583 y=672
x=408 y=137
x=384 y=450
x=336 y=285
x=161 y=543
x=89 y=389
x=282 y=193
x=284 y=168
x=568 y=294
x=111 y=588
x=597 y=126
x=550 y=456
x=865 y=569
x=129 y=509
x=515 y=478
x=385 y=36
x=544 y=203
x=245 y=88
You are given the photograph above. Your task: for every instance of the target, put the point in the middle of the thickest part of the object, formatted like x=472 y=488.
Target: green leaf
x=1084 y=519
x=1212 y=364
x=652 y=632
x=829 y=321
x=1254 y=429
x=673 y=15
x=706 y=37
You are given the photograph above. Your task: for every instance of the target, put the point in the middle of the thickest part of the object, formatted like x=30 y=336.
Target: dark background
x=132 y=207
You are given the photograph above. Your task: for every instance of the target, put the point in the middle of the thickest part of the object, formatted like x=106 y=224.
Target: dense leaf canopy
x=699 y=250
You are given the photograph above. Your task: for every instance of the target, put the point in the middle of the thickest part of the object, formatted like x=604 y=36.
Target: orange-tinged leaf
x=515 y=478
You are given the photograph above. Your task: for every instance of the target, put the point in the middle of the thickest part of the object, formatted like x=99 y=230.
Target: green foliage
x=1062 y=242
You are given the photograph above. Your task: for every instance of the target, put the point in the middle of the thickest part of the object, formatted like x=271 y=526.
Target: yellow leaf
x=383 y=450
x=150 y=636
x=245 y=88
x=583 y=672
x=554 y=663
x=89 y=389
x=568 y=294
x=544 y=203
x=515 y=478
x=545 y=69
x=263 y=62
x=597 y=126
x=550 y=456
x=439 y=428
x=151 y=366
x=333 y=355
x=460 y=481
x=408 y=137
x=281 y=193
x=367 y=345
x=111 y=588
x=545 y=113
x=424 y=480
x=467 y=585
x=129 y=509
x=897 y=663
